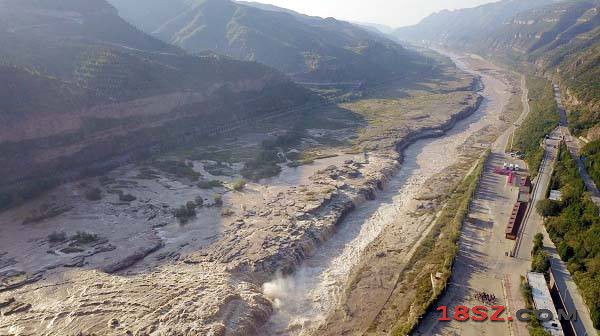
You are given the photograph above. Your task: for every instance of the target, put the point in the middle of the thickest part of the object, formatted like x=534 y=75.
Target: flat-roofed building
x=543 y=300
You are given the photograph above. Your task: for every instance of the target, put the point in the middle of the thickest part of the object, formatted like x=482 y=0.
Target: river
x=305 y=298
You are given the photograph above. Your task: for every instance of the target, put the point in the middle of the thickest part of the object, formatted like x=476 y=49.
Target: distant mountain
x=562 y=38
x=309 y=48
x=376 y=27
x=82 y=87
x=470 y=25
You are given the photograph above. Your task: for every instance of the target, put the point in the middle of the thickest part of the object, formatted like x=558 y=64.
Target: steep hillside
x=84 y=88
x=560 y=38
x=308 y=47
x=467 y=26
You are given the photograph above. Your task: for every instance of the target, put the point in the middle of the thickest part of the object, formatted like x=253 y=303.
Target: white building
x=543 y=300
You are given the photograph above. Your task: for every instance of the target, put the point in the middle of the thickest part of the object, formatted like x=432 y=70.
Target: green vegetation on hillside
x=591 y=155
x=556 y=39
x=469 y=26
x=542 y=119
x=576 y=231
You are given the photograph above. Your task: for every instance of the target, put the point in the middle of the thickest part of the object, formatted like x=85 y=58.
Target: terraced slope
x=84 y=87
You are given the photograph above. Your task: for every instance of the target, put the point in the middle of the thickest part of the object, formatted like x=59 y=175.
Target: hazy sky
x=393 y=13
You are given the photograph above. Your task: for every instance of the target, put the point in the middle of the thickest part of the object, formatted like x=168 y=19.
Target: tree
x=548 y=208
x=538 y=244
x=540 y=262
x=185 y=212
x=565 y=251
x=595 y=312
x=239 y=185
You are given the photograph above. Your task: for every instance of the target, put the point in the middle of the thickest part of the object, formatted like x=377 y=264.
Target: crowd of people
x=486 y=298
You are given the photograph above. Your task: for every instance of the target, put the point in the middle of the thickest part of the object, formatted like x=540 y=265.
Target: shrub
x=239 y=185
x=199 y=201
x=185 y=212
x=84 y=238
x=94 y=194
x=538 y=330
x=218 y=200
x=565 y=251
x=540 y=263
x=57 y=237
x=538 y=244
x=527 y=293
x=178 y=169
x=595 y=312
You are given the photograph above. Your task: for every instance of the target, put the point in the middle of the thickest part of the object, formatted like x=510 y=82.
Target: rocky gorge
x=145 y=274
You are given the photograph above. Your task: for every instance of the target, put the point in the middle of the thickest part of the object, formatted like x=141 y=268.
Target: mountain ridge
x=561 y=38
x=306 y=47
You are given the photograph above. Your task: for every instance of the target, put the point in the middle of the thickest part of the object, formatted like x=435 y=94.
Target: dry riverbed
x=123 y=264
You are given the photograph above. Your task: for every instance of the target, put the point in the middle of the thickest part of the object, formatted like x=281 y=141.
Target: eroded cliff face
x=87 y=134
x=588 y=112
x=46 y=121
